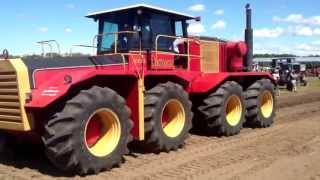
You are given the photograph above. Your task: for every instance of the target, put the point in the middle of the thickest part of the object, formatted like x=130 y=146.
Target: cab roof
x=155 y=9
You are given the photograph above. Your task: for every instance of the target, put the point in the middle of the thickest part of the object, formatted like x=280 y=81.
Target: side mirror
x=198 y=19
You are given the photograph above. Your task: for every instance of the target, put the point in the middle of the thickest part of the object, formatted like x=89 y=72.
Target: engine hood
x=36 y=64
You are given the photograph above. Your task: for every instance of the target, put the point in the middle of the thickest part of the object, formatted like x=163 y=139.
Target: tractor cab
x=144 y=29
x=138 y=28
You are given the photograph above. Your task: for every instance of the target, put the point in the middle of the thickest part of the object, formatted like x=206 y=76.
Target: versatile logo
x=162 y=63
x=138 y=59
x=51 y=91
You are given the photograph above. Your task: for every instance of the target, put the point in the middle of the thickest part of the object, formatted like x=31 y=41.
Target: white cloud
x=298 y=19
x=316 y=31
x=219 y=12
x=43 y=29
x=71 y=6
x=302 y=49
x=219 y=25
x=304 y=31
x=316 y=43
x=269 y=33
x=197 y=8
x=291 y=18
x=196 y=28
x=270 y=48
x=68 y=30
x=305 y=47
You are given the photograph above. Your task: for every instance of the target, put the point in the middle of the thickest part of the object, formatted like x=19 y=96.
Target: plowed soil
x=290 y=149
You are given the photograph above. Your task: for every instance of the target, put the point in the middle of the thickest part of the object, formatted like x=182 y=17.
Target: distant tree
x=273 y=55
x=78 y=55
x=314 y=55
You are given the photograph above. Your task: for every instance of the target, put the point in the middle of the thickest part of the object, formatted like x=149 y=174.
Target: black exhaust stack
x=249 y=39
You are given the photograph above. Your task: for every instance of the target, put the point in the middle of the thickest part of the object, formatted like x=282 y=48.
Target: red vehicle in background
x=146 y=82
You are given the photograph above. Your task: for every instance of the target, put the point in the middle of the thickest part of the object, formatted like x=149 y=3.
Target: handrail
x=83 y=46
x=43 y=50
x=53 y=41
x=176 y=37
x=48 y=42
x=136 y=67
x=116 y=36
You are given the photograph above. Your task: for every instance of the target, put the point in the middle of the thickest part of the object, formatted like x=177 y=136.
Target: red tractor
x=145 y=83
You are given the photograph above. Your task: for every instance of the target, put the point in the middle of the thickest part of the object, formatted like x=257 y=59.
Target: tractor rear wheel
x=168 y=117
x=91 y=132
x=260 y=104
x=223 y=111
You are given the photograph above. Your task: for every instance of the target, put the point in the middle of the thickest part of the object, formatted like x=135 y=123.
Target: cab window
x=111 y=25
x=179 y=28
x=161 y=25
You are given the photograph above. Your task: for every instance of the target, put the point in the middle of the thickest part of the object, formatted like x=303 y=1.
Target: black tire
x=6 y=150
x=3 y=142
x=254 y=99
x=214 y=110
x=65 y=132
x=156 y=99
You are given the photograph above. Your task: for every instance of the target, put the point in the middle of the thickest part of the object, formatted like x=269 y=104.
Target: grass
x=313 y=84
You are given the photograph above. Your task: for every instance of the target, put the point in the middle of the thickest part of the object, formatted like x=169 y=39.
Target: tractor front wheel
x=5 y=147
x=91 y=132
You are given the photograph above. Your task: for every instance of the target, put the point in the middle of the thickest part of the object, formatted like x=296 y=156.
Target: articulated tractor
x=149 y=82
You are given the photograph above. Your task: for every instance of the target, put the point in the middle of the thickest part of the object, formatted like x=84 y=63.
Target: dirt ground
x=290 y=149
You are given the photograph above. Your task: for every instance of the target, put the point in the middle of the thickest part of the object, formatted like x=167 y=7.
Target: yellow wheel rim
x=267 y=104
x=173 y=118
x=102 y=132
x=234 y=110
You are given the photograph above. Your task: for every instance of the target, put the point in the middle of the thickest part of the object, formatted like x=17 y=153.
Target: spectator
x=276 y=75
x=293 y=80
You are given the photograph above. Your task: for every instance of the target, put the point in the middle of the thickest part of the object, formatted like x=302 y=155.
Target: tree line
x=279 y=55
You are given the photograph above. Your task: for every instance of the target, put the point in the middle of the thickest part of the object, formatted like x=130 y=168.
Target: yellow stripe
x=141 y=108
x=23 y=88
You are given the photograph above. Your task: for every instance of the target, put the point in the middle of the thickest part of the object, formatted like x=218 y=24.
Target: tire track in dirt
x=183 y=165
x=170 y=165
x=201 y=156
x=295 y=146
x=299 y=98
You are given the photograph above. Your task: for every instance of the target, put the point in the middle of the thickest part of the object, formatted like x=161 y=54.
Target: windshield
x=109 y=29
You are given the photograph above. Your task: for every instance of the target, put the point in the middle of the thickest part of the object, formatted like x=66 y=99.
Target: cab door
x=163 y=56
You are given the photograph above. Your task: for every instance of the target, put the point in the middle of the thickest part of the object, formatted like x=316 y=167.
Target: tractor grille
x=9 y=95
x=210 y=56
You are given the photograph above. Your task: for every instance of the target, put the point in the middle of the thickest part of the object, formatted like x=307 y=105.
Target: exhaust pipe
x=249 y=39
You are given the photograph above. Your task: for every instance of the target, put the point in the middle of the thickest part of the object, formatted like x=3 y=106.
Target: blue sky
x=281 y=26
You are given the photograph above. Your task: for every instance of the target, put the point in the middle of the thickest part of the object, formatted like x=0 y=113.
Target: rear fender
x=208 y=82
